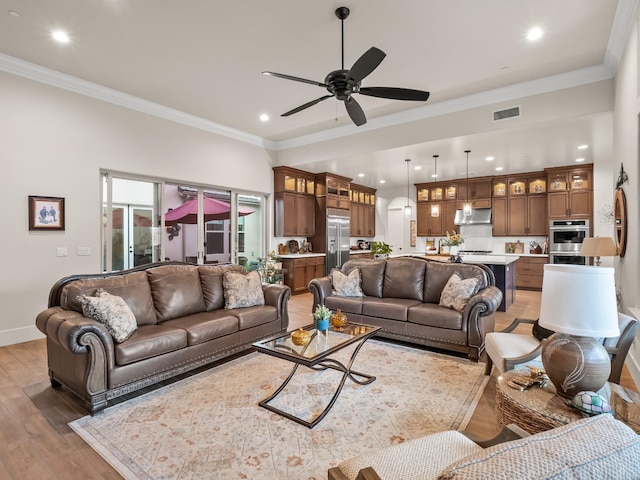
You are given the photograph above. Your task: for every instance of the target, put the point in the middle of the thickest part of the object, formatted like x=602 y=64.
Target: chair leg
x=488 y=366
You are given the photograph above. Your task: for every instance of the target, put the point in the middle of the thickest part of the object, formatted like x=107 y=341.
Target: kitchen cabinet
x=426 y=224
x=570 y=192
x=294 y=202
x=442 y=195
x=363 y=211
x=529 y=272
x=479 y=188
x=520 y=205
x=335 y=188
x=299 y=271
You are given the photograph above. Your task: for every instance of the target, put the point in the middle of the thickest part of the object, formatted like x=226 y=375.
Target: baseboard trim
x=19 y=335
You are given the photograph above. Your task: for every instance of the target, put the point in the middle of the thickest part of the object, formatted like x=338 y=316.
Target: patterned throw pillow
x=112 y=312
x=457 y=292
x=346 y=285
x=242 y=290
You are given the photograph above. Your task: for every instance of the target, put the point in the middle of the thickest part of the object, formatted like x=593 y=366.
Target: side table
x=539 y=408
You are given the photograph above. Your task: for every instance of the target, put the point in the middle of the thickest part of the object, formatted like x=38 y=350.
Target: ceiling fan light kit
x=342 y=84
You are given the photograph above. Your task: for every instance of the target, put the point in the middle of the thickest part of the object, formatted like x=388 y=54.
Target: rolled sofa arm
x=278 y=296
x=479 y=314
x=490 y=298
x=68 y=329
x=321 y=289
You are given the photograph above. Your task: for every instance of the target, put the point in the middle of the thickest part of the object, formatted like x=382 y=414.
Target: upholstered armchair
x=508 y=350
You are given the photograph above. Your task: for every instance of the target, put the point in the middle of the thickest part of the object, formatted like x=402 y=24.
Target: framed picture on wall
x=46 y=213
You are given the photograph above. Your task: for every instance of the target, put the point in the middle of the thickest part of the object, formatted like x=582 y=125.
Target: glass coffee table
x=316 y=355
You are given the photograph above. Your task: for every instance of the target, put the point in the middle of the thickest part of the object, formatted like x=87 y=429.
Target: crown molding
x=623 y=22
x=57 y=79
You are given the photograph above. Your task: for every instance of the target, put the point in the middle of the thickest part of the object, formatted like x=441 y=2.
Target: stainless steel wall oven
x=565 y=241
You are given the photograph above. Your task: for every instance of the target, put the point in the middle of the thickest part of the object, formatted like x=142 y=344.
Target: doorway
x=396 y=229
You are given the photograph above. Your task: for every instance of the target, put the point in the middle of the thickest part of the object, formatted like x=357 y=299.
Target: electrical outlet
x=61 y=252
x=84 y=251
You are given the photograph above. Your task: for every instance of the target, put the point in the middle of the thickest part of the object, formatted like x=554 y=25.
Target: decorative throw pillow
x=112 y=312
x=457 y=292
x=346 y=285
x=242 y=290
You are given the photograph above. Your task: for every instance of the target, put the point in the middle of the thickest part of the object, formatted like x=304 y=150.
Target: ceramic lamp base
x=575 y=364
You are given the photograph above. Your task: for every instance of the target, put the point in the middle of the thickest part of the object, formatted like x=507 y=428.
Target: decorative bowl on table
x=338 y=320
x=300 y=337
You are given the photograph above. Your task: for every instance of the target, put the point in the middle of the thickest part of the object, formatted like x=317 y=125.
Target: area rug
x=209 y=426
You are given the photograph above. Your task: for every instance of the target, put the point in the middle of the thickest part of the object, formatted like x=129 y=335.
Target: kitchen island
x=502 y=266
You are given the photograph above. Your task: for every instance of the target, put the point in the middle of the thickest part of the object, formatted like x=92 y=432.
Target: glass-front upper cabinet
x=423 y=194
x=537 y=184
x=517 y=187
x=575 y=179
x=499 y=188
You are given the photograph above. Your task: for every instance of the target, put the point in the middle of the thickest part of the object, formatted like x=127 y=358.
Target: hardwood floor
x=37 y=443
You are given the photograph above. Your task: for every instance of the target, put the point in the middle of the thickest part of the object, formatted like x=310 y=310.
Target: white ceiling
x=205 y=58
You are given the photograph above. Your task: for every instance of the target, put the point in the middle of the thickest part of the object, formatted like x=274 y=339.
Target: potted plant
x=321 y=315
x=380 y=249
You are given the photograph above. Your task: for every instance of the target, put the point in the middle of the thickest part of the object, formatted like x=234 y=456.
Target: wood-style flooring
x=37 y=443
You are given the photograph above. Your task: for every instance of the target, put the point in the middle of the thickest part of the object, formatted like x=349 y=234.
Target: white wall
x=54 y=143
x=625 y=150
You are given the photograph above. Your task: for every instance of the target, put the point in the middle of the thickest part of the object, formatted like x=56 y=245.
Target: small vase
x=453 y=250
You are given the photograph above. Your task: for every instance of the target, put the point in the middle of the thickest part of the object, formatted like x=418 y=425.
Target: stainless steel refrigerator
x=338 y=232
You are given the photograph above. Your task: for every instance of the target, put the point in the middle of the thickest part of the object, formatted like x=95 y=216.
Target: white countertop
x=545 y=255
x=302 y=255
x=494 y=259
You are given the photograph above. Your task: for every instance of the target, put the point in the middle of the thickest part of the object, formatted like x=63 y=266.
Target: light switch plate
x=61 y=252
x=84 y=251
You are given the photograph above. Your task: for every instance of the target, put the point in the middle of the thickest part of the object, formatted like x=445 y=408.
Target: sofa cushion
x=252 y=316
x=438 y=273
x=150 y=341
x=242 y=290
x=596 y=447
x=346 y=285
x=392 y=308
x=404 y=278
x=211 y=280
x=371 y=274
x=204 y=326
x=176 y=291
x=434 y=315
x=133 y=288
x=112 y=312
x=457 y=292
x=416 y=459
x=346 y=304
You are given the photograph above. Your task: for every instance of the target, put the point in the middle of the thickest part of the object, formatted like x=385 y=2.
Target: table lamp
x=598 y=247
x=578 y=303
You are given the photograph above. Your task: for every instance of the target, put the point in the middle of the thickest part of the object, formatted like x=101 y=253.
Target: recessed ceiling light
x=264 y=117
x=14 y=13
x=60 y=36
x=383 y=181
x=490 y=159
x=498 y=169
x=579 y=159
x=361 y=175
x=583 y=147
x=417 y=167
x=534 y=34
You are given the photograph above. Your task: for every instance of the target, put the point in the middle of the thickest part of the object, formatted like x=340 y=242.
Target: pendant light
x=435 y=207
x=407 y=209
x=466 y=209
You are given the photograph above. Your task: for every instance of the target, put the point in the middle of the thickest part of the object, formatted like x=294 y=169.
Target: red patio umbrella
x=213 y=210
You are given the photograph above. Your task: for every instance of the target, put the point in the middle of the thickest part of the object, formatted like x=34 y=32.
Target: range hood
x=479 y=216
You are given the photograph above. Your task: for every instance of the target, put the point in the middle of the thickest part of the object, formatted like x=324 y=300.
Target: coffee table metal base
x=323 y=365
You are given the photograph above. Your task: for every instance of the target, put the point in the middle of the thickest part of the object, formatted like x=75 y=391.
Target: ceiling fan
x=342 y=84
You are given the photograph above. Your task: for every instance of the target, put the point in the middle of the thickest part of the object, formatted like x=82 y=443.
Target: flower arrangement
x=453 y=240
x=322 y=312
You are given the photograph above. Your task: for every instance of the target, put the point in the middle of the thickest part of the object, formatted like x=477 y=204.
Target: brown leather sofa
x=181 y=325
x=402 y=296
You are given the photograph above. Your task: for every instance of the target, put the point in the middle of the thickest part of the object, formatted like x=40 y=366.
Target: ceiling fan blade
x=295 y=79
x=366 y=64
x=306 y=105
x=355 y=111
x=395 y=93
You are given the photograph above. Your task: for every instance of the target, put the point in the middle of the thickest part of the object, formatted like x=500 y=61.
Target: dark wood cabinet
x=298 y=272
x=519 y=205
x=363 y=211
x=570 y=192
x=499 y=216
x=334 y=188
x=294 y=202
x=529 y=272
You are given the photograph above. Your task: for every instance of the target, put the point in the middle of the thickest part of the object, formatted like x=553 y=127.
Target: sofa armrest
x=489 y=298
x=278 y=296
x=321 y=289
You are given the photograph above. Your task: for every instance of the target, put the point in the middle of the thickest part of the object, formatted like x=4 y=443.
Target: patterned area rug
x=209 y=426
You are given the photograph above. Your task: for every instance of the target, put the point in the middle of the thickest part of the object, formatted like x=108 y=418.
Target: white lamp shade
x=579 y=300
